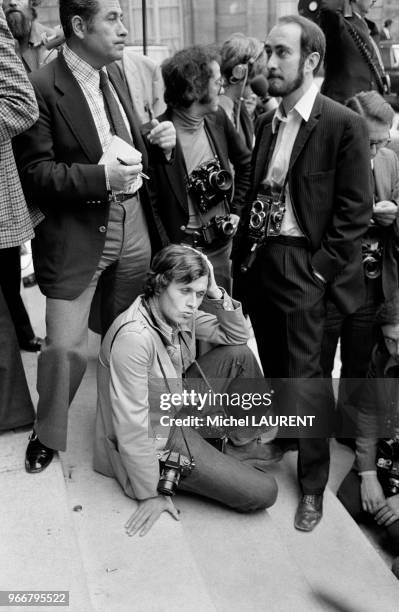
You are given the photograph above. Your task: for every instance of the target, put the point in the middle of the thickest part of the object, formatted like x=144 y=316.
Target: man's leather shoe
x=257 y=453
x=38 y=456
x=309 y=512
x=33 y=346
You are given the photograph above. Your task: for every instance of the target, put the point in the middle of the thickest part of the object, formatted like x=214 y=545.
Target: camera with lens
x=388 y=465
x=208 y=184
x=371 y=256
x=220 y=227
x=266 y=217
x=173 y=466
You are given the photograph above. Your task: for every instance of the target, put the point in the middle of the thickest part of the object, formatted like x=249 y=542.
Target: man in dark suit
x=204 y=133
x=98 y=220
x=312 y=154
x=353 y=61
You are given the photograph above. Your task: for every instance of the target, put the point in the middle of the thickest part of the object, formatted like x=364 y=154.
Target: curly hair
x=186 y=75
x=174 y=263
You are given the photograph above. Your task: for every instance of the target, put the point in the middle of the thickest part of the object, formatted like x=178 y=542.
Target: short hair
x=388 y=312
x=240 y=49
x=174 y=263
x=371 y=105
x=87 y=9
x=387 y=23
x=312 y=37
x=186 y=75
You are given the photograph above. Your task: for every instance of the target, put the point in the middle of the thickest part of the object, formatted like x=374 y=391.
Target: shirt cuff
x=367 y=472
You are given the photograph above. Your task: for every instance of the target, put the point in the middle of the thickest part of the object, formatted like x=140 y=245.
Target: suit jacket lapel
x=305 y=131
x=175 y=171
x=124 y=97
x=262 y=151
x=76 y=111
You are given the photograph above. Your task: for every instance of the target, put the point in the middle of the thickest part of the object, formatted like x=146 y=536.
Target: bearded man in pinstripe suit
x=18 y=112
x=313 y=154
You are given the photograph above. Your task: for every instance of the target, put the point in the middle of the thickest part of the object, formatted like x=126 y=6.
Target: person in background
x=28 y=34
x=353 y=62
x=242 y=59
x=148 y=353
x=370 y=491
x=28 y=31
x=144 y=80
x=18 y=112
x=380 y=244
x=385 y=33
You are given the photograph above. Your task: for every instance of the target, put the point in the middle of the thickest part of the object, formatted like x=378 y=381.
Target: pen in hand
x=123 y=163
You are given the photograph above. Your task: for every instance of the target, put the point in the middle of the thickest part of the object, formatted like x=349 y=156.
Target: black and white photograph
x=199 y=305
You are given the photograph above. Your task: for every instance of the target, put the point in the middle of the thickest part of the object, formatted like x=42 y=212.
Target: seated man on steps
x=370 y=492
x=147 y=355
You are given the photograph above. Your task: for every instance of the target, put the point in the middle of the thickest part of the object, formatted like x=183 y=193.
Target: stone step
x=39 y=549
x=215 y=559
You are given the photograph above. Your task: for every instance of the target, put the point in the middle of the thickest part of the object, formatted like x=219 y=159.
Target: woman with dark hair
x=148 y=364
x=370 y=492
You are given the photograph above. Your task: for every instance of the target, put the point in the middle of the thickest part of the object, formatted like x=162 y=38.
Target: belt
x=296 y=241
x=119 y=198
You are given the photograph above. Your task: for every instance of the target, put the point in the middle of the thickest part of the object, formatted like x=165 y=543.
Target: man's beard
x=286 y=88
x=18 y=24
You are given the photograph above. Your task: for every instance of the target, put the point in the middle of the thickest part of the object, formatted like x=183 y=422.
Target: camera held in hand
x=174 y=466
x=208 y=184
x=388 y=465
x=371 y=258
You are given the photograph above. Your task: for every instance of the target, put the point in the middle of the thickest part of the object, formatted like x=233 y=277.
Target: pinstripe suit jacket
x=18 y=112
x=329 y=178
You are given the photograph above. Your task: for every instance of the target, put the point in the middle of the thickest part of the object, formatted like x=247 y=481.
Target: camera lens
x=256 y=220
x=168 y=481
x=258 y=206
x=221 y=180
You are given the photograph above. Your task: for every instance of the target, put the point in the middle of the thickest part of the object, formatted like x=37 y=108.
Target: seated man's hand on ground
x=148 y=512
x=371 y=493
x=389 y=513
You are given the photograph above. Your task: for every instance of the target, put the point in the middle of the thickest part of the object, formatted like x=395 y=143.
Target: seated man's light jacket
x=132 y=369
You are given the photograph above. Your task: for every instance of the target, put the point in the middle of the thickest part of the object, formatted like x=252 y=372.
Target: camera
x=173 y=466
x=388 y=465
x=208 y=184
x=371 y=258
x=266 y=217
x=217 y=228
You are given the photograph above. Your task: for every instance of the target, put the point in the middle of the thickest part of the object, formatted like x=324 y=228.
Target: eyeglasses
x=391 y=342
x=379 y=144
x=219 y=84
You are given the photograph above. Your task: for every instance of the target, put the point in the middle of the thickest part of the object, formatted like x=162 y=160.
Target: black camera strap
x=380 y=76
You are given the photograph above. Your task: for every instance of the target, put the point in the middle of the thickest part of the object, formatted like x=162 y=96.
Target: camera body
x=173 y=466
x=208 y=184
x=220 y=227
x=371 y=254
x=266 y=217
x=388 y=465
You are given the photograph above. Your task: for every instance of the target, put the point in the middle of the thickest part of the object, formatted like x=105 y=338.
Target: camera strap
x=381 y=78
